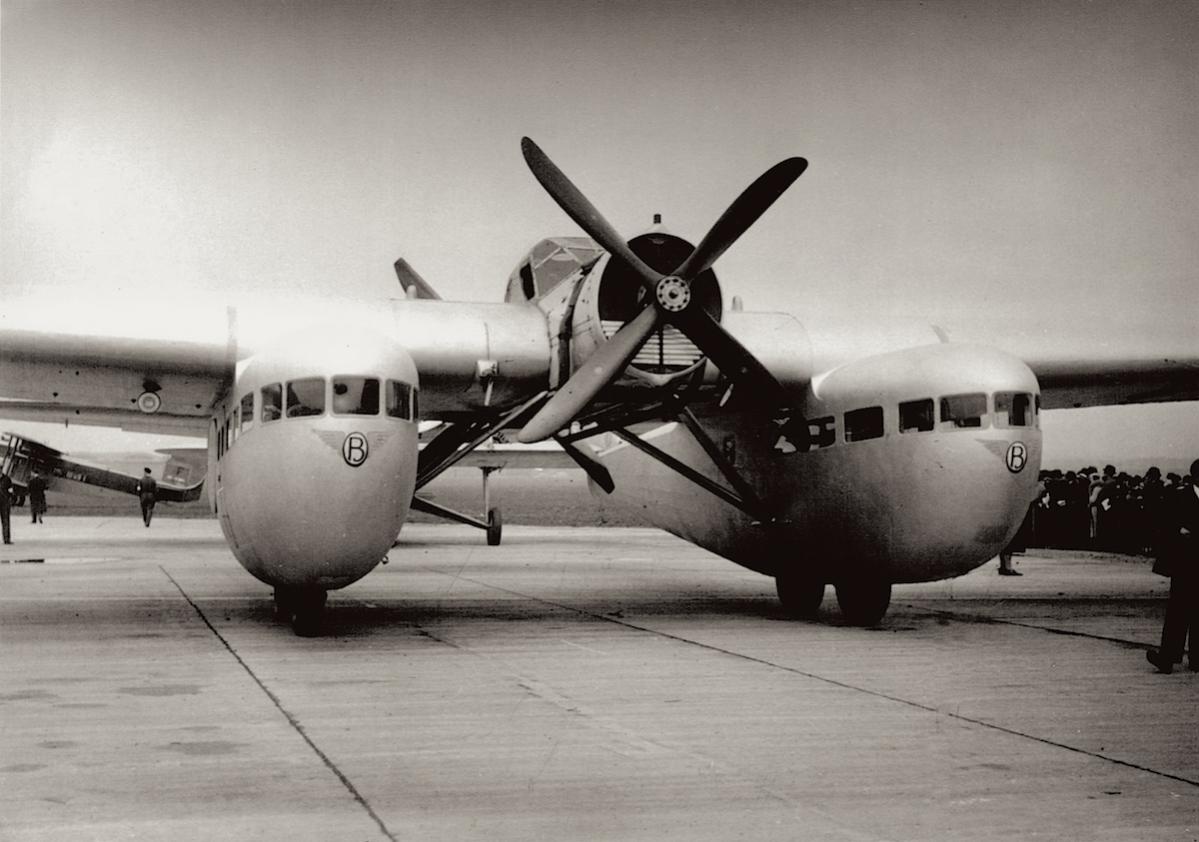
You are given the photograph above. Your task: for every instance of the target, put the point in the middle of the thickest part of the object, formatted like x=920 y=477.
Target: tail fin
x=414 y=285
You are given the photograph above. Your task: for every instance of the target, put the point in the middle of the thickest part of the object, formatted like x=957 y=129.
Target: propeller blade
x=580 y=209
x=733 y=359
x=742 y=213
x=600 y=369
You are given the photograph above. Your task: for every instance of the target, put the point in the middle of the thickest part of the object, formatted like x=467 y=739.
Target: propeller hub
x=674 y=294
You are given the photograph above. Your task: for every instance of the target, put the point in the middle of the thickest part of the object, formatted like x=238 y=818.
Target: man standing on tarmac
x=1178 y=558
x=6 y=507
x=147 y=493
x=37 y=496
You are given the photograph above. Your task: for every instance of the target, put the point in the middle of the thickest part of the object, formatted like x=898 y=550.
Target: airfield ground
x=574 y=683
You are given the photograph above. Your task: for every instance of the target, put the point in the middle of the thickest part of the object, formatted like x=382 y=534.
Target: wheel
x=863 y=601
x=285 y=604
x=309 y=608
x=495 y=527
x=800 y=595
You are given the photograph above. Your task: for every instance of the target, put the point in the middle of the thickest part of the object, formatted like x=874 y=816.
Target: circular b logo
x=355 y=450
x=1017 y=457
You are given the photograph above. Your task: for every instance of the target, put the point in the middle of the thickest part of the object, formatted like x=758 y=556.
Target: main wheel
x=800 y=595
x=309 y=613
x=285 y=604
x=863 y=601
x=495 y=528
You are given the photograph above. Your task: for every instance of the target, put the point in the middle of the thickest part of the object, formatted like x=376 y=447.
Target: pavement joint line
x=291 y=720
x=983 y=618
x=834 y=682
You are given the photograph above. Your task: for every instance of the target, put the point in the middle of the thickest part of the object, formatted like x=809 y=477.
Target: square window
x=916 y=416
x=959 y=411
x=305 y=397
x=862 y=424
x=1013 y=409
x=401 y=400
x=355 y=396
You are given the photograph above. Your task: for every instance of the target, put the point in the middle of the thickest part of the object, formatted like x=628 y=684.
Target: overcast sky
x=1022 y=162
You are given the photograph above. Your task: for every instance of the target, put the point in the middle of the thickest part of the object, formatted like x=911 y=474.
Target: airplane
x=860 y=457
x=21 y=456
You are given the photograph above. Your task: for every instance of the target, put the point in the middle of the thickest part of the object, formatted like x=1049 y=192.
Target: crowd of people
x=1104 y=510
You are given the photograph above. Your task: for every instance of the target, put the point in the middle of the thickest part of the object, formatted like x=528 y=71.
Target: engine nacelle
x=588 y=296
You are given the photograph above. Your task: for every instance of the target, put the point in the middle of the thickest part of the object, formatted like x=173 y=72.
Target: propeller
x=669 y=295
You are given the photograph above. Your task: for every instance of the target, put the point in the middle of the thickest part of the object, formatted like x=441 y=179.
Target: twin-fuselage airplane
x=858 y=458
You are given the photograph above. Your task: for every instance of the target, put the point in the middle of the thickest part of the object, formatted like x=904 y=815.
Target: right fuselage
x=918 y=465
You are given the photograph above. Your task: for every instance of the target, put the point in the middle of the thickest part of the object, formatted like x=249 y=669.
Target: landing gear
x=495 y=527
x=863 y=601
x=304 y=608
x=800 y=595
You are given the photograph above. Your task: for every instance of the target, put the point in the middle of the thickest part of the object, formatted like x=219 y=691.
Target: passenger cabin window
x=1013 y=409
x=401 y=400
x=247 y=412
x=305 y=397
x=272 y=402
x=862 y=424
x=916 y=416
x=355 y=396
x=963 y=411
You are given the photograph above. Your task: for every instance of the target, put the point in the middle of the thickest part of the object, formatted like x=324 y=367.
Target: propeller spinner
x=669 y=295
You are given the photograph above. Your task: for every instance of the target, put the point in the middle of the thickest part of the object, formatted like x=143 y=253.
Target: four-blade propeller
x=670 y=295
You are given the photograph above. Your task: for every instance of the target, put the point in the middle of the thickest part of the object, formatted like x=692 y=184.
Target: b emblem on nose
x=355 y=450
x=1017 y=457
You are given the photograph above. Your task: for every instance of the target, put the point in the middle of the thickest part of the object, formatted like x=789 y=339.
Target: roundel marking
x=149 y=402
x=1017 y=457
x=355 y=449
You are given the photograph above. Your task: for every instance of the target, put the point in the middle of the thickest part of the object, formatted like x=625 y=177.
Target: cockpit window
x=401 y=400
x=916 y=416
x=963 y=410
x=355 y=396
x=272 y=402
x=862 y=424
x=1013 y=409
x=247 y=411
x=305 y=397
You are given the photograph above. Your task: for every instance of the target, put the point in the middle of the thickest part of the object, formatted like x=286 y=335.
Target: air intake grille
x=667 y=350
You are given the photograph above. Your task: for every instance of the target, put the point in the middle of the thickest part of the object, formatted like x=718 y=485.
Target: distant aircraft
x=20 y=456
x=858 y=458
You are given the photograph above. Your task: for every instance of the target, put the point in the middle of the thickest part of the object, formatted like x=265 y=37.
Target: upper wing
x=66 y=363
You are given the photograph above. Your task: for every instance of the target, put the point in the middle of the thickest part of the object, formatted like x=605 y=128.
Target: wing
x=66 y=363
x=1139 y=368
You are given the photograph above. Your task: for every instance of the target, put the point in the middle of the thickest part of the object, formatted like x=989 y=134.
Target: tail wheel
x=863 y=601
x=495 y=527
x=800 y=595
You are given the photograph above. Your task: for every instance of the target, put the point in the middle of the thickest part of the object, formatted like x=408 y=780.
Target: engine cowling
x=612 y=295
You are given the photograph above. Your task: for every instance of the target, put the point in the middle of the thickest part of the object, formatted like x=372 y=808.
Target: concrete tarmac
x=575 y=683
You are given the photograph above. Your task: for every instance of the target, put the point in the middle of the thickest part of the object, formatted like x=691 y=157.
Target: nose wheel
x=304 y=608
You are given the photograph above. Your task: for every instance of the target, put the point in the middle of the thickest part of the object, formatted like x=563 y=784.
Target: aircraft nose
x=332 y=517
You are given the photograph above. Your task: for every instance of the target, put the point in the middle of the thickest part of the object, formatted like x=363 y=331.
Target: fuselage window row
x=306 y=398
x=957 y=412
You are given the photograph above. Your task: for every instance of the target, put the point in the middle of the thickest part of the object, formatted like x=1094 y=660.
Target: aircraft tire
x=309 y=607
x=799 y=595
x=495 y=528
x=285 y=600
x=863 y=601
